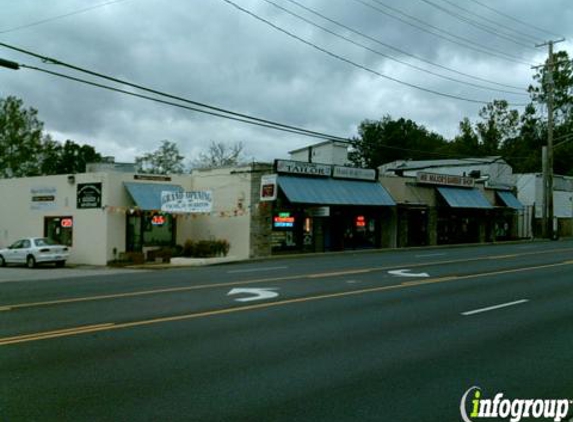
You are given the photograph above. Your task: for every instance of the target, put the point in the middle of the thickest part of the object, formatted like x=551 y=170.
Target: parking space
x=49 y=272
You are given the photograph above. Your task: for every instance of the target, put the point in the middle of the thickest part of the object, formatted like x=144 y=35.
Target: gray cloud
x=210 y=52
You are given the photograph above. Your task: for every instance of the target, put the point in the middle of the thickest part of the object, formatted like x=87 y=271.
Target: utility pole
x=547 y=214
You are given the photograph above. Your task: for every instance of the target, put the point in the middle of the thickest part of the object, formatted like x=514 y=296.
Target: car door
x=14 y=252
x=24 y=250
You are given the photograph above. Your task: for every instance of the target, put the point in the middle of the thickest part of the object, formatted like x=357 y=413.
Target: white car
x=34 y=250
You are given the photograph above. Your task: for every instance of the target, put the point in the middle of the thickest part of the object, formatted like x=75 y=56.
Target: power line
x=156 y=92
x=505 y=15
x=350 y=62
x=464 y=42
x=388 y=46
x=65 y=15
x=472 y=13
x=302 y=131
x=279 y=127
x=478 y=25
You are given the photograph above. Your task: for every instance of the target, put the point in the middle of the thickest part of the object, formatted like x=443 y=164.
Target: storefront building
x=437 y=209
x=102 y=215
x=323 y=207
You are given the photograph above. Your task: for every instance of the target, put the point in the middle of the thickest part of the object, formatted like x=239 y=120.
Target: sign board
x=152 y=177
x=319 y=212
x=67 y=223
x=268 y=187
x=354 y=173
x=445 y=180
x=88 y=195
x=302 y=168
x=43 y=198
x=283 y=220
x=187 y=202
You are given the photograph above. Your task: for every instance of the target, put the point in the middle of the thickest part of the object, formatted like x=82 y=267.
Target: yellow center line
x=10 y=307
x=115 y=326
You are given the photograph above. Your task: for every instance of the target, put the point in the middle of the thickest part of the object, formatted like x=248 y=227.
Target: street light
x=9 y=64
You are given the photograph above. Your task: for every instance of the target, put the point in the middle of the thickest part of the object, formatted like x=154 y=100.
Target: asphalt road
x=395 y=336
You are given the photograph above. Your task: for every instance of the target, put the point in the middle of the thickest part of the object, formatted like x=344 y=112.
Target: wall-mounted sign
x=302 y=168
x=283 y=220
x=88 y=195
x=67 y=223
x=319 y=211
x=353 y=173
x=187 y=202
x=158 y=220
x=445 y=180
x=43 y=198
x=268 y=187
x=152 y=177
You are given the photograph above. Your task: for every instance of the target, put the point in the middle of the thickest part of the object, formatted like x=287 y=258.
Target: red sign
x=67 y=223
x=158 y=220
x=360 y=221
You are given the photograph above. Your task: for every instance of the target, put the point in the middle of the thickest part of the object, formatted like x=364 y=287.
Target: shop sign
x=319 y=212
x=283 y=220
x=158 y=220
x=268 y=187
x=152 y=177
x=88 y=195
x=360 y=221
x=445 y=180
x=43 y=198
x=200 y=201
x=354 y=173
x=67 y=223
x=302 y=168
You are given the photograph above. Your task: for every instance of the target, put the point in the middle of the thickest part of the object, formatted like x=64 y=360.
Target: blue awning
x=325 y=191
x=465 y=198
x=509 y=199
x=147 y=196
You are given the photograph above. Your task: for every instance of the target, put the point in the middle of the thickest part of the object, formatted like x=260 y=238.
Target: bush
x=205 y=248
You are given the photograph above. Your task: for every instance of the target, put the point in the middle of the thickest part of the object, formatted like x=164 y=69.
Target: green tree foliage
x=165 y=160
x=66 y=158
x=25 y=150
x=20 y=139
x=387 y=140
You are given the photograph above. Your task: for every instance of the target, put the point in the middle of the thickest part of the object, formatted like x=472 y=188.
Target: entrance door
x=134 y=240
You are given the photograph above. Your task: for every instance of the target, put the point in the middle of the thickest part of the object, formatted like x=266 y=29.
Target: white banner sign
x=268 y=187
x=187 y=202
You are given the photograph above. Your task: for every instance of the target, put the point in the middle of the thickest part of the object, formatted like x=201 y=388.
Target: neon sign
x=283 y=221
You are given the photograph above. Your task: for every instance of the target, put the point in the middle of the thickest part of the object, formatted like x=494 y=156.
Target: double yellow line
x=67 y=332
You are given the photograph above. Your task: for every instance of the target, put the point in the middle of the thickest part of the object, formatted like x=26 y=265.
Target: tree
x=388 y=140
x=70 y=157
x=165 y=160
x=20 y=139
x=498 y=125
x=221 y=154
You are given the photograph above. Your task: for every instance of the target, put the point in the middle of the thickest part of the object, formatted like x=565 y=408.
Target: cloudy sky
x=432 y=61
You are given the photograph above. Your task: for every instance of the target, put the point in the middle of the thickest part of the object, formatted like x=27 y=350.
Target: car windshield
x=44 y=241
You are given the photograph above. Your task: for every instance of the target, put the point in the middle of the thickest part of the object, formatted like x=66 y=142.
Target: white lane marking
x=492 y=308
x=405 y=273
x=427 y=255
x=252 y=270
x=260 y=293
x=352 y=281
x=525 y=247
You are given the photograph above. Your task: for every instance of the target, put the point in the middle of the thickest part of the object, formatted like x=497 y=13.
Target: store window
x=149 y=229
x=59 y=229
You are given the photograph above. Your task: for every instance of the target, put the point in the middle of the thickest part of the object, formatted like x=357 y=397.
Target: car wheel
x=30 y=261
x=2 y=261
x=60 y=264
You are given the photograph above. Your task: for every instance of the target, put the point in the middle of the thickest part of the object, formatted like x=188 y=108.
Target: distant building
x=327 y=152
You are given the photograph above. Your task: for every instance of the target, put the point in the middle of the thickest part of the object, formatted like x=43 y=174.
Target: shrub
x=206 y=248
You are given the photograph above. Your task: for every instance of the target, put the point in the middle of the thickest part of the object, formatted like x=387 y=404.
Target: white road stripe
x=252 y=270
x=492 y=308
x=431 y=254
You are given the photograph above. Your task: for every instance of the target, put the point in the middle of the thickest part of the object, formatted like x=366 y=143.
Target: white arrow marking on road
x=260 y=293
x=404 y=273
